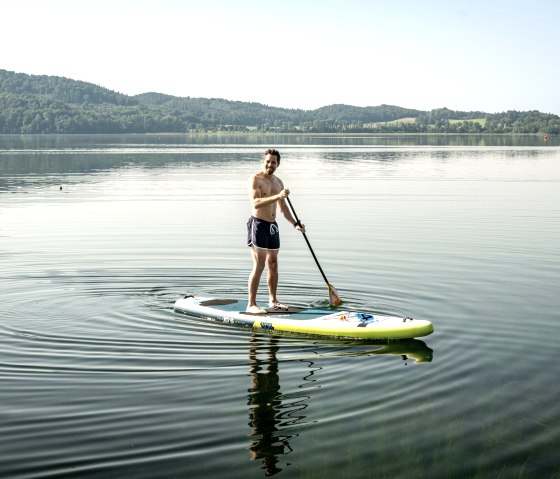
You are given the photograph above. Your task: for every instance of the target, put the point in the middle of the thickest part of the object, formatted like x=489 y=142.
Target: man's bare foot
x=279 y=306
x=256 y=309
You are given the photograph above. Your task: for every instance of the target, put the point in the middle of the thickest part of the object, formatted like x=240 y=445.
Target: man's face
x=270 y=164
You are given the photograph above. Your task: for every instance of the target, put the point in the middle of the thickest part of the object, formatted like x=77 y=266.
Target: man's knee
x=272 y=262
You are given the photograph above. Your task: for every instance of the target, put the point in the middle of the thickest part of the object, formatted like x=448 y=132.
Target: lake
x=101 y=378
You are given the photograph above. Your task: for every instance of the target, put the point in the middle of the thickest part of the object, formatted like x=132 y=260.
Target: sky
x=468 y=55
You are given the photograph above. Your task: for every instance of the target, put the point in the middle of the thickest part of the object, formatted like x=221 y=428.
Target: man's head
x=273 y=152
x=271 y=161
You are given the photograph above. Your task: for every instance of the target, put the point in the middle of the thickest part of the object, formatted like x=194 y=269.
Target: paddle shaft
x=298 y=222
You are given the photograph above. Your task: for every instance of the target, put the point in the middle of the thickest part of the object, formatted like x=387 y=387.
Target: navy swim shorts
x=263 y=234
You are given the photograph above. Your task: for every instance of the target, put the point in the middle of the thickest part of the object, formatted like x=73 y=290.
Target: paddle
x=334 y=298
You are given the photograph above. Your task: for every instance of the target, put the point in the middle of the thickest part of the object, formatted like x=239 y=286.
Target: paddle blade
x=334 y=298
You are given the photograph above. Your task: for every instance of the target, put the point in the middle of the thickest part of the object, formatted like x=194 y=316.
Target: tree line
x=32 y=104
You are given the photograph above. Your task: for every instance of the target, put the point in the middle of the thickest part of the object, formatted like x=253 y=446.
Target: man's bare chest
x=270 y=187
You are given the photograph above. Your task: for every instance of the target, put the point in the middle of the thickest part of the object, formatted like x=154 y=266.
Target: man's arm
x=286 y=213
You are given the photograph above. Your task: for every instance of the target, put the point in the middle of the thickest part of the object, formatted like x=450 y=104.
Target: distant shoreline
x=257 y=134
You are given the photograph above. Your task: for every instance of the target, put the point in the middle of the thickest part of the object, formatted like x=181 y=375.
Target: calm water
x=100 y=378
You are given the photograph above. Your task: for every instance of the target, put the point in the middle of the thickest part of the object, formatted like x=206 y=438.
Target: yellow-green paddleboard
x=318 y=322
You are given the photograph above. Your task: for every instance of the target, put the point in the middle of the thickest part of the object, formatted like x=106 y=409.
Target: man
x=267 y=194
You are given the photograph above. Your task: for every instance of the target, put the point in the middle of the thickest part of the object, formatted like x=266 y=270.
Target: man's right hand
x=283 y=194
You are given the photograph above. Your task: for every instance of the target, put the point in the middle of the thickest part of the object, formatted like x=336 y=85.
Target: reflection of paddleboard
x=408 y=349
x=415 y=350
x=323 y=322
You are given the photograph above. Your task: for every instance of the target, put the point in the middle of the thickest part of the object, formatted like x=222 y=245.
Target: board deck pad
x=314 y=321
x=273 y=311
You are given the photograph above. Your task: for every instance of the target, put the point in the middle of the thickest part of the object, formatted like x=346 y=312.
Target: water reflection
x=394 y=139
x=271 y=418
x=409 y=350
x=265 y=402
x=49 y=160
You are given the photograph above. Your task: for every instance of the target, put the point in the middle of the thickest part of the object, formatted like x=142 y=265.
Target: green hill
x=61 y=89
x=53 y=104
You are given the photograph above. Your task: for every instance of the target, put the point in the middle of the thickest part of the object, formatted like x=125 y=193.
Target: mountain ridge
x=56 y=104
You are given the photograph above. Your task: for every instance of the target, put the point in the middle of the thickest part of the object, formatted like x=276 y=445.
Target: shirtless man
x=267 y=192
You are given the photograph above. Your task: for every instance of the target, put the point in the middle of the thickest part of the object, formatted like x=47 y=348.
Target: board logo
x=266 y=326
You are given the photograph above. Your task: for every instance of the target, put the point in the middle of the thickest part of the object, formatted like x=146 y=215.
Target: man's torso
x=267 y=186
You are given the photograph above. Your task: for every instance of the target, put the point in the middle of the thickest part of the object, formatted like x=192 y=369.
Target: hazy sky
x=489 y=55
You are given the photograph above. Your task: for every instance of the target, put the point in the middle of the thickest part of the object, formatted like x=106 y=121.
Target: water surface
x=100 y=378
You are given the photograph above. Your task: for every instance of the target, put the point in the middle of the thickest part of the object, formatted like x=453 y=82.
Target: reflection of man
x=267 y=191
x=264 y=399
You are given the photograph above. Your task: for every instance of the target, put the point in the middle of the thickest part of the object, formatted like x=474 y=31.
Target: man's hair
x=272 y=151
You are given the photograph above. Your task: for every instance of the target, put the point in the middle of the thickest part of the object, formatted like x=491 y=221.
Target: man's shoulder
x=255 y=177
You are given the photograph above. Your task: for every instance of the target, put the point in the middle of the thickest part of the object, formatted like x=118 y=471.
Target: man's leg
x=272 y=275
x=259 y=260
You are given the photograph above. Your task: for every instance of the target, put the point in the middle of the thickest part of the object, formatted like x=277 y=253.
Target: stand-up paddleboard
x=322 y=322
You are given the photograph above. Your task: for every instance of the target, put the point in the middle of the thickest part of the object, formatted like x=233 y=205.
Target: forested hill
x=61 y=89
x=52 y=104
